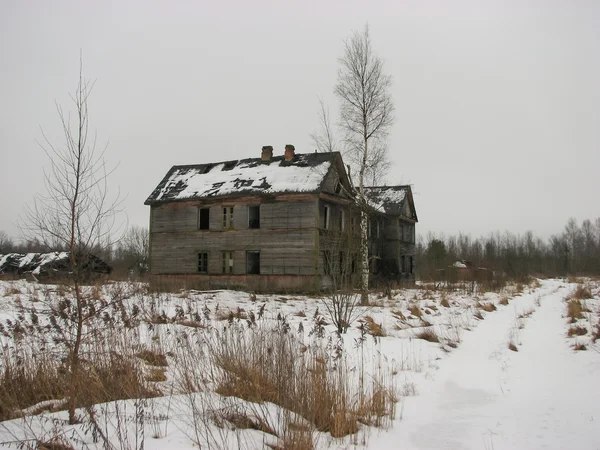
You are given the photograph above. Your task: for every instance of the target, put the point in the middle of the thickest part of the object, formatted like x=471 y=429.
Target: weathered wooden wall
x=286 y=238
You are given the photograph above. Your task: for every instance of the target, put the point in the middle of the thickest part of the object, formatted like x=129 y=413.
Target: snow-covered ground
x=467 y=391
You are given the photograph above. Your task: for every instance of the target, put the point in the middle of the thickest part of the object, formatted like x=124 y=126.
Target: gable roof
x=395 y=200
x=303 y=174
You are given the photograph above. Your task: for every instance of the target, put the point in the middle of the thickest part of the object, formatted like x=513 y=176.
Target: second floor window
x=227 y=258
x=203 y=218
x=326 y=213
x=253 y=216
x=342 y=220
x=228 y=217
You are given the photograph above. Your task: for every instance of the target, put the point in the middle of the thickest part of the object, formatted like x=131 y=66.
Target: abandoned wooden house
x=275 y=223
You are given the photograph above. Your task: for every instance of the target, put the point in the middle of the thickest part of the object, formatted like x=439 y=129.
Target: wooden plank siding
x=286 y=238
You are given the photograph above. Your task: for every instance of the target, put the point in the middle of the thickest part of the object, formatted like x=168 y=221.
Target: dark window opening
x=203 y=220
x=403 y=263
x=253 y=263
x=203 y=262
x=326 y=218
x=338 y=187
x=354 y=263
x=411 y=265
x=254 y=217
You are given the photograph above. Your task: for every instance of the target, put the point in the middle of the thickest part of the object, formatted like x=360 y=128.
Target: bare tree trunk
x=366 y=112
x=75 y=214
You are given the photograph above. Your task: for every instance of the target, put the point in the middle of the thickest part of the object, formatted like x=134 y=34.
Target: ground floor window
x=203 y=262
x=227 y=260
x=253 y=262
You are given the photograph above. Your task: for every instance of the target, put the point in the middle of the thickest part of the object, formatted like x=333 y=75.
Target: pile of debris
x=49 y=265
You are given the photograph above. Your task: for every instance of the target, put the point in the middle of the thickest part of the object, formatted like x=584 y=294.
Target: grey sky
x=497 y=102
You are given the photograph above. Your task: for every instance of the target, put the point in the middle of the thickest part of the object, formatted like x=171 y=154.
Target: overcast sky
x=497 y=102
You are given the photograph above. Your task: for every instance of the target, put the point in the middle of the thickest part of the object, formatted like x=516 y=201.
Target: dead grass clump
x=575 y=310
x=582 y=292
x=374 y=328
x=54 y=444
x=230 y=315
x=12 y=291
x=428 y=334
x=579 y=347
x=242 y=421
x=265 y=366
x=503 y=300
x=487 y=307
x=512 y=346
x=477 y=314
x=28 y=383
x=153 y=358
x=525 y=314
x=156 y=375
x=300 y=314
x=444 y=301
x=44 y=382
x=415 y=311
x=398 y=315
x=577 y=331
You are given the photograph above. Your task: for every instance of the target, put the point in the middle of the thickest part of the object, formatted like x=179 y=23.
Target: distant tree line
x=574 y=251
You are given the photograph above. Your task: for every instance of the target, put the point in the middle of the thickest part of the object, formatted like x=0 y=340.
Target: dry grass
x=582 y=292
x=575 y=310
x=104 y=377
x=503 y=300
x=374 y=328
x=428 y=334
x=415 y=311
x=487 y=307
x=266 y=366
x=579 y=347
x=230 y=315
x=526 y=313
x=577 y=331
x=477 y=314
x=444 y=301
x=154 y=358
x=156 y=375
x=512 y=346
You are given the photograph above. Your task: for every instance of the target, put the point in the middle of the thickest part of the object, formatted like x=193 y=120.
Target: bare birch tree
x=76 y=214
x=366 y=113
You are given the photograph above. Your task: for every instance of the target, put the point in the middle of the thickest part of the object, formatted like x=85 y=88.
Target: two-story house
x=273 y=223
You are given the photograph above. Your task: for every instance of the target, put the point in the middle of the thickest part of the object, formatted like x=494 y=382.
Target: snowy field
x=518 y=369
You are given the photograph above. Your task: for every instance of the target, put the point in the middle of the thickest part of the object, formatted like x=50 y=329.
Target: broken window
x=203 y=218
x=254 y=217
x=253 y=262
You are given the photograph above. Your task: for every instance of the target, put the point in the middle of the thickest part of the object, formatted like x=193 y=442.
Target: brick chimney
x=289 y=152
x=267 y=153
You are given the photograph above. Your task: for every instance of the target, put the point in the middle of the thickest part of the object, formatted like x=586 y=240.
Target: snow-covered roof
x=303 y=174
x=387 y=199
